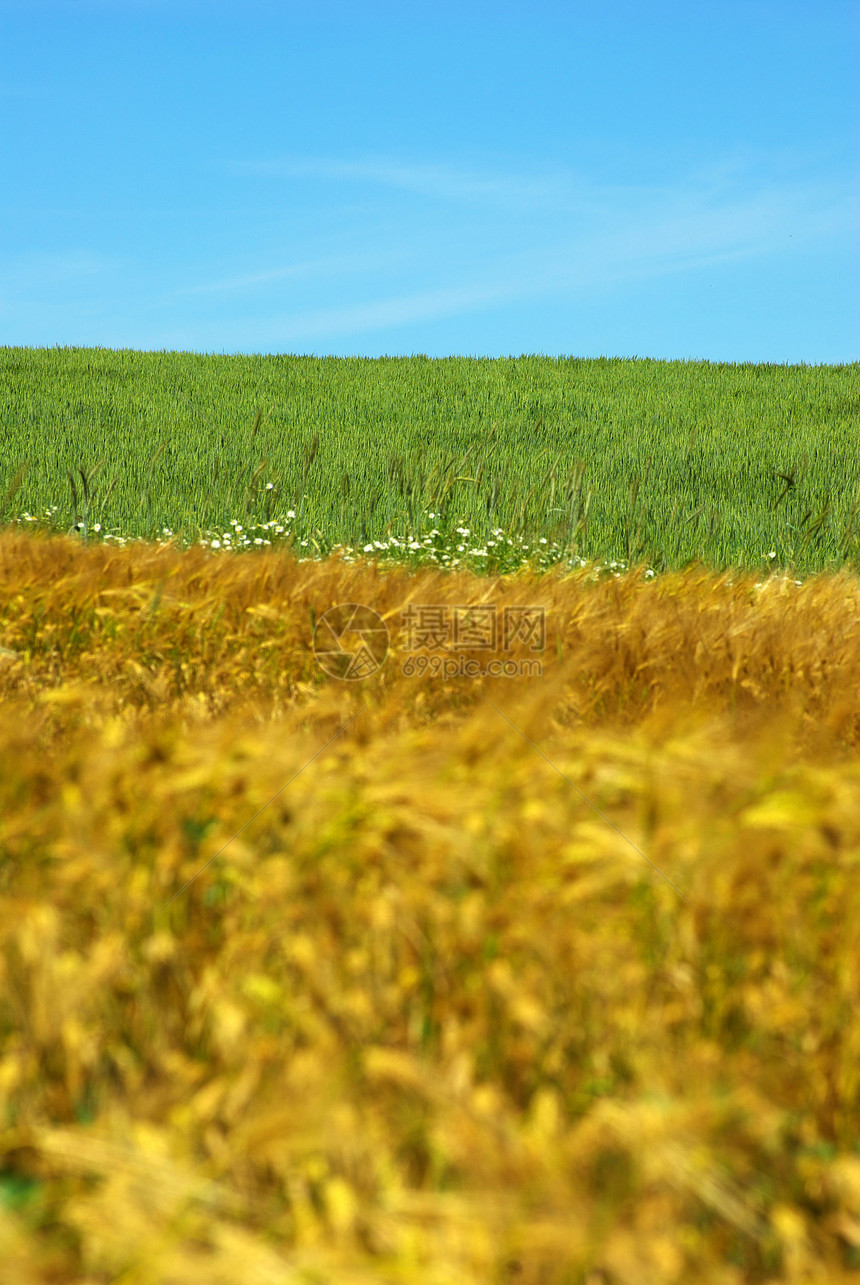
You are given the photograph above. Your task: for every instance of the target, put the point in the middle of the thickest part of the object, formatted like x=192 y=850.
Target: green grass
x=607 y=461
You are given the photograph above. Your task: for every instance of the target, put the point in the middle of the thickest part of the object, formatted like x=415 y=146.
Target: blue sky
x=670 y=180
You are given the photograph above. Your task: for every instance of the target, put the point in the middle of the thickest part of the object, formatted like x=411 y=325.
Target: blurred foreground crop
x=399 y=1004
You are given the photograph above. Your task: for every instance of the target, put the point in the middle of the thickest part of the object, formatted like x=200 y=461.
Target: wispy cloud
x=378 y=270
x=440 y=182
x=38 y=269
x=560 y=189
x=334 y=265
x=716 y=216
x=515 y=281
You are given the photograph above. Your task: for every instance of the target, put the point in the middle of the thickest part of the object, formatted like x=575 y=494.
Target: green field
x=751 y=466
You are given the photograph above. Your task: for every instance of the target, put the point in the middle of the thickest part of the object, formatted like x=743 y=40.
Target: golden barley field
x=417 y=978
